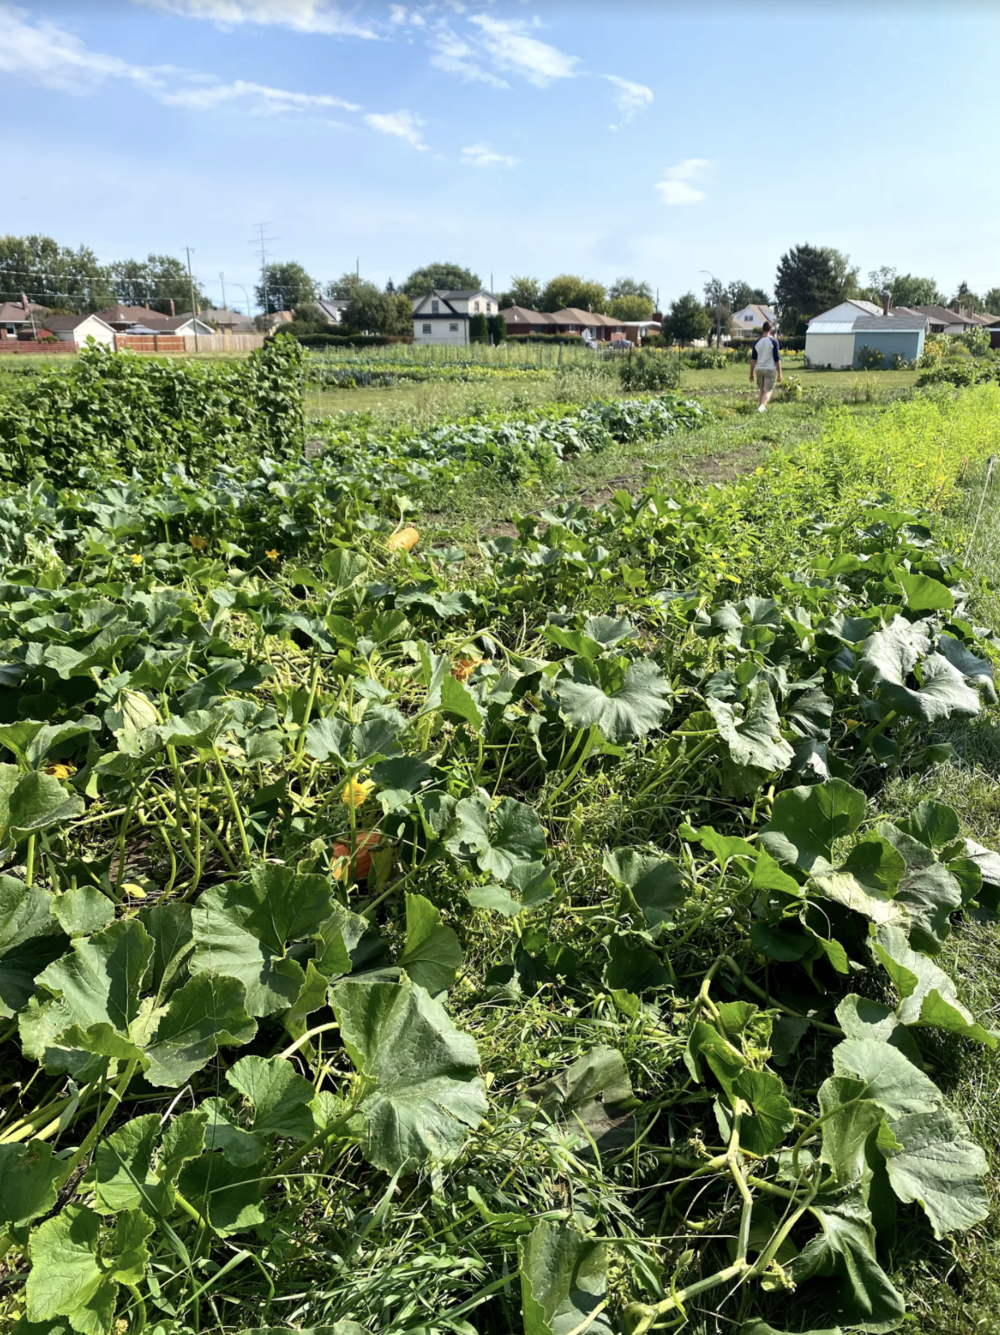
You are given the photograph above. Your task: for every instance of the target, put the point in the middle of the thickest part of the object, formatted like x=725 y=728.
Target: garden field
x=504 y=854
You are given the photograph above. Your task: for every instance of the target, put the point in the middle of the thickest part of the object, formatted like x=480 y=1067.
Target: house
x=78 y=328
x=16 y=318
x=892 y=334
x=589 y=324
x=443 y=317
x=748 y=322
x=225 y=321
x=848 y=311
x=637 y=330
x=121 y=318
x=333 y=307
x=835 y=344
x=519 y=320
x=950 y=319
x=181 y=325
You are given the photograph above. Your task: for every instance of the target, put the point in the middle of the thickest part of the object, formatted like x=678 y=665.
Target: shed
x=892 y=335
x=78 y=328
x=830 y=344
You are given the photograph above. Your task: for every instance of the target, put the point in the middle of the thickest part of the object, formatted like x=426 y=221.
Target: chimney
x=886 y=302
x=172 y=311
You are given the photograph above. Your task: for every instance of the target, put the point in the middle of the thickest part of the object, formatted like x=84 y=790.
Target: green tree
x=53 y=275
x=523 y=291
x=687 y=319
x=342 y=288
x=629 y=287
x=741 y=294
x=496 y=327
x=967 y=298
x=372 y=311
x=156 y=280
x=905 y=289
x=991 y=301
x=442 y=277
x=308 y=313
x=569 y=290
x=811 y=279
x=284 y=286
x=631 y=307
x=479 y=330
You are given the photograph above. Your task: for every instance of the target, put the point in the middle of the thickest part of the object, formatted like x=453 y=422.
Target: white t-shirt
x=765 y=350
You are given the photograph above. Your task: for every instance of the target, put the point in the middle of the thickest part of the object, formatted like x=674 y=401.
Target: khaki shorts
x=765 y=381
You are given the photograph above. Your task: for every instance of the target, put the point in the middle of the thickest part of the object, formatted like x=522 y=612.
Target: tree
x=687 y=319
x=157 y=280
x=811 y=279
x=741 y=294
x=372 y=311
x=905 y=289
x=496 y=327
x=523 y=291
x=284 y=286
x=53 y=275
x=569 y=290
x=967 y=298
x=991 y=301
x=631 y=308
x=308 y=314
x=342 y=288
x=479 y=330
x=441 y=277
x=629 y=287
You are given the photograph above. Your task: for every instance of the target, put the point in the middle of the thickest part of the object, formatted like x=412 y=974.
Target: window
x=435 y=307
x=476 y=304
x=489 y=307
x=453 y=329
x=426 y=329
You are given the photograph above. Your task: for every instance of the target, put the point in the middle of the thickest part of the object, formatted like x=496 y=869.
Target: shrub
x=869 y=359
x=897 y=362
x=977 y=341
x=649 y=371
x=478 y=329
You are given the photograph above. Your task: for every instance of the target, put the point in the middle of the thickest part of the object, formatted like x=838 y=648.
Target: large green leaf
x=806 y=820
x=653 y=883
x=844 y=1248
x=931 y=894
x=622 y=711
x=121 y=1175
x=419 y=1073
x=768 y=1115
x=227 y=1194
x=563 y=1281
x=940 y=1167
x=352 y=745
x=593 y=1096
x=37 y=801
x=755 y=740
x=598 y=635
x=861 y=1018
x=28 y=1178
x=30 y=939
x=500 y=839
x=432 y=955
x=207 y=1013
x=891 y=655
x=928 y=996
x=849 y=1118
x=243 y=929
x=280 y=1097
x=890 y=1079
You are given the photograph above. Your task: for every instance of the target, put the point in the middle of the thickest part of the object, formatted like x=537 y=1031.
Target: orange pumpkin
x=403 y=541
x=365 y=842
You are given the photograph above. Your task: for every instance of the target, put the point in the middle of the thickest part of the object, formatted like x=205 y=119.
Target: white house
x=443 y=317
x=750 y=320
x=847 y=310
x=830 y=343
x=78 y=328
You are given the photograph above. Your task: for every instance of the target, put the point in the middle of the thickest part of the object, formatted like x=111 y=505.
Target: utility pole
x=357 y=268
x=262 y=243
x=194 y=312
x=222 y=280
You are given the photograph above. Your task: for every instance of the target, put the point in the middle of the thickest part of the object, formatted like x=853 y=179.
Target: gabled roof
x=13 y=311
x=941 y=314
x=589 y=319
x=128 y=314
x=891 y=323
x=830 y=327
x=219 y=315
x=521 y=315
x=56 y=322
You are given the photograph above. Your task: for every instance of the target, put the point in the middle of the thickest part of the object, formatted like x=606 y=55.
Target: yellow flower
x=356 y=792
x=136 y=891
x=273 y=554
x=199 y=544
x=136 y=559
x=61 y=769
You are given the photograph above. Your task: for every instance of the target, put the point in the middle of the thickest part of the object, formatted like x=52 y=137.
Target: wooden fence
x=223 y=342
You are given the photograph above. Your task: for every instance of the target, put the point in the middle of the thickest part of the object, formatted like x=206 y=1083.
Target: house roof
x=217 y=315
x=333 y=306
x=891 y=323
x=55 y=322
x=830 y=327
x=521 y=315
x=941 y=314
x=13 y=311
x=167 y=324
x=589 y=319
x=127 y=314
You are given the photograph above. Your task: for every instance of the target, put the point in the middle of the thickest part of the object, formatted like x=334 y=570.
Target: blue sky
x=653 y=139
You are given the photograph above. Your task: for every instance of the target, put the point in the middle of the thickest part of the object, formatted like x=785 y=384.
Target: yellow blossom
x=463 y=668
x=199 y=544
x=273 y=554
x=60 y=769
x=356 y=792
x=136 y=559
x=135 y=891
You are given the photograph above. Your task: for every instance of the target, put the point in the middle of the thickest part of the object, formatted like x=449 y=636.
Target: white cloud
x=632 y=97
x=508 y=43
x=269 y=101
x=454 y=54
x=403 y=124
x=310 y=16
x=41 y=53
x=481 y=155
x=676 y=187
x=399 y=16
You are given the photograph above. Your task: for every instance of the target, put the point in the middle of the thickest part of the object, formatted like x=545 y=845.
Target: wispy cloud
x=264 y=100
x=676 y=187
x=400 y=17
x=508 y=42
x=402 y=124
x=481 y=155
x=632 y=97
x=308 y=16
x=39 y=52
x=454 y=54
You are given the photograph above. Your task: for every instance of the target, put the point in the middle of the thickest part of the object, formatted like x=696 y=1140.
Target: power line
x=262 y=243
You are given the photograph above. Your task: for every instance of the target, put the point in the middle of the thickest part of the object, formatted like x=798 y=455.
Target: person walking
x=765 y=365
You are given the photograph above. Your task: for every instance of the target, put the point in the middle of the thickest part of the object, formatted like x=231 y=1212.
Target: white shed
x=847 y=310
x=78 y=328
x=830 y=344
